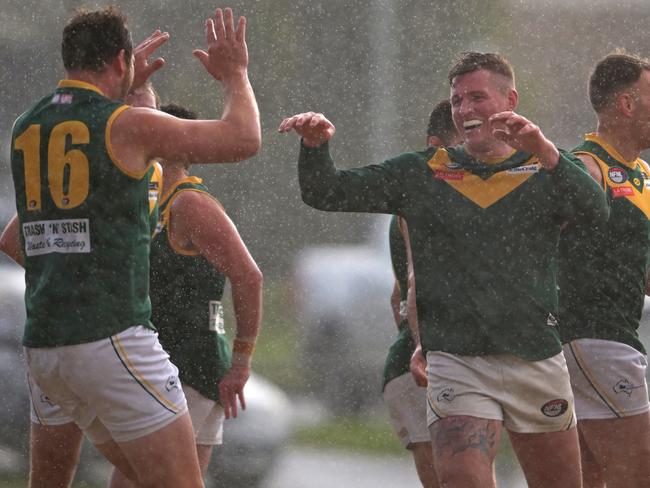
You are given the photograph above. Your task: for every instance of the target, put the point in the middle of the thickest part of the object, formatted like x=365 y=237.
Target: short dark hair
x=471 y=61
x=441 y=124
x=92 y=38
x=617 y=71
x=179 y=111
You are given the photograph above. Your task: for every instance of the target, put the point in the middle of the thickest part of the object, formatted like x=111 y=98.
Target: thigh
x=54 y=453
x=608 y=379
x=549 y=458
x=407 y=409
x=464 y=449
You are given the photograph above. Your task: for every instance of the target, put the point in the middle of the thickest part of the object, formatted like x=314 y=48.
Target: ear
x=435 y=141
x=625 y=103
x=513 y=98
x=119 y=63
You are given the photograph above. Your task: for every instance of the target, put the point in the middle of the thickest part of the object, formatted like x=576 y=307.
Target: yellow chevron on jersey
x=155 y=185
x=630 y=180
x=483 y=193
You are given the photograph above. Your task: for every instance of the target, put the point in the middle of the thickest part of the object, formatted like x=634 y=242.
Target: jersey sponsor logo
x=555 y=408
x=622 y=191
x=453 y=166
x=617 y=175
x=625 y=386
x=216 y=317
x=529 y=168
x=57 y=236
x=448 y=175
x=447 y=395
x=62 y=98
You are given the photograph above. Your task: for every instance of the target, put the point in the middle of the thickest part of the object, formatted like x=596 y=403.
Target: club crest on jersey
x=555 y=408
x=448 y=175
x=519 y=170
x=551 y=321
x=453 y=165
x=622 y=191
x=617 y=175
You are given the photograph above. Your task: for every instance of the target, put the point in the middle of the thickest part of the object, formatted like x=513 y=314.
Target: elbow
x=251 y=145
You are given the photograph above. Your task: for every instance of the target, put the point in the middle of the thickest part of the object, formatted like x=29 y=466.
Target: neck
x=172 y=174
x=620 y=137
x=492 y=150
x=100 y=79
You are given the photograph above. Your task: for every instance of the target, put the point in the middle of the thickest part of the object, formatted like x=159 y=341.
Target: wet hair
x=616 y=72
x=92 y=39
x=178 y=111
x=474 y=61
x=441 y=124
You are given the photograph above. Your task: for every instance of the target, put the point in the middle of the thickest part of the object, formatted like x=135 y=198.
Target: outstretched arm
x=10 y=241
x=198 y=222
x=375 y=188
x=139 y=134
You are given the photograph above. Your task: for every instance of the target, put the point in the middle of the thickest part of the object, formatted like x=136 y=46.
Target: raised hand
x=227 y=53
x=522 y=134
x=142 y=68
x=313 y=127
x=231 y=388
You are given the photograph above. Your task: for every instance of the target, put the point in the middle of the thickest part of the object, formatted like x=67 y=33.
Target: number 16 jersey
x=84 y=221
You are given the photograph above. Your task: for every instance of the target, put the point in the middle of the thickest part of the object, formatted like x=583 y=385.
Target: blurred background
x=375 y=68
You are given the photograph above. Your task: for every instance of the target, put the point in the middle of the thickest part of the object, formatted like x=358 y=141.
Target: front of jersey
x=603 y=267
x=483 y=238
x=186 y=294
x=84 y=221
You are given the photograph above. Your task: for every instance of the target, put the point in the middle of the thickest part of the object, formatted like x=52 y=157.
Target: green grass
x=369 y=436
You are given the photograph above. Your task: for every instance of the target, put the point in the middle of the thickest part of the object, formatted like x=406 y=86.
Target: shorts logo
x=551 y=321
x=622 y=191
x=172 y=382
x=447 y=395
x=46 y=399
x=625 y=386
x=448 y=175
x=617 y=175
x=555 y=408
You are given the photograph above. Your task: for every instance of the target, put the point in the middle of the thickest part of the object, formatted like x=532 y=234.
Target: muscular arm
x=10 y=241
x=199 y=223
x=592 y=167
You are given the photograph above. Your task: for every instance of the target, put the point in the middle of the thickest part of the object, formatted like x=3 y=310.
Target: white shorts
x=207 y=418
x=42 y=410
x=528 y=396
x=407 y=408
x=123 y=386
x=608 y=379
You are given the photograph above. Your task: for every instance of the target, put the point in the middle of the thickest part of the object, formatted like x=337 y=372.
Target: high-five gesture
x=313 y=127
x=227 y=54
x=522 y=134
x=142 y=68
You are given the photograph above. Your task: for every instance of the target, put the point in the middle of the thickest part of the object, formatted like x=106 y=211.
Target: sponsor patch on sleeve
x=622 y=191
x=57 y=236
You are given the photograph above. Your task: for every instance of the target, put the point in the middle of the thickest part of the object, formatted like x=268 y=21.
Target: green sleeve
x=377 y=188
x=581 y=197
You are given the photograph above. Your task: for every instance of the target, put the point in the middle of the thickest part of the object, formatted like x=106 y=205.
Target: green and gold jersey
x=186 y=294
x=400 y=352
x=483 y=237
x=84 y=221
x=603 y=267
x=155 y=178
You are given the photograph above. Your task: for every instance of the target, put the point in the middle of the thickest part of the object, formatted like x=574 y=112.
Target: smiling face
x=475 y=96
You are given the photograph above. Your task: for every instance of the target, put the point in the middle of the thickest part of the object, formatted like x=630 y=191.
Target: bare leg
x=620 y=448
x=593 y=475
x=463 y=451
x=204 y=452
x=549 y=459
x=423 y=457
x=54 y=454
x=166 y=458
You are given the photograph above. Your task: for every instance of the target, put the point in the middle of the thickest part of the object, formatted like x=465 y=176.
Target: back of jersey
x=84 y=221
